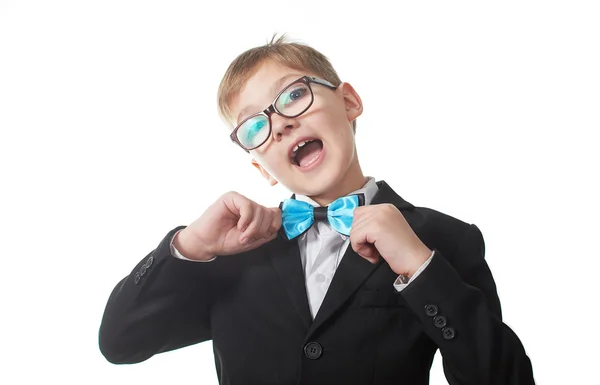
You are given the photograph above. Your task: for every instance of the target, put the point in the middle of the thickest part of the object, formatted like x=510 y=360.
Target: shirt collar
x=369 y=189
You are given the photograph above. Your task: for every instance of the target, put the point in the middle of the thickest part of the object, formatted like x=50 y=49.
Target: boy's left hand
x=381 y=230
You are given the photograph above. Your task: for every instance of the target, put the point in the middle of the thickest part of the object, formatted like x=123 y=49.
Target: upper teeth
x=300 y=144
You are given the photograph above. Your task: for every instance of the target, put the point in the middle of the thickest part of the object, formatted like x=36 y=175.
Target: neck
x=352 y=181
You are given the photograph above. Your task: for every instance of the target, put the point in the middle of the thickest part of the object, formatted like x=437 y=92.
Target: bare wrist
x=189 y=247
x=417 y=261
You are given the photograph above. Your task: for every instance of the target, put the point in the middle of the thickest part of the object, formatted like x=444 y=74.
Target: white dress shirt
x=321 y=251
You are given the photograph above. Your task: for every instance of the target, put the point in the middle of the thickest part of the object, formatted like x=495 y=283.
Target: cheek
x=271 y=163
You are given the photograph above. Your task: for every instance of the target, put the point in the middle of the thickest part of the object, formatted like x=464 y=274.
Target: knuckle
x=276 y=225
x=253 y=225
x=269 y=215
x=230 y=194
x=273 y=228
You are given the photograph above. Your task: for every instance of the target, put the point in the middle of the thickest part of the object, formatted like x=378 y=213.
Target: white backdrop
x=110 y=138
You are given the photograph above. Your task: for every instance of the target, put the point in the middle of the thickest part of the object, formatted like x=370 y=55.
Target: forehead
x=262 y=87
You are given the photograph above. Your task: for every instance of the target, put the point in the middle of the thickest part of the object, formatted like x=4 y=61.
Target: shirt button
x=320 y=278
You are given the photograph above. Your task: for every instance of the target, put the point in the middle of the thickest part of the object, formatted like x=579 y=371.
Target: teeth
x=300 y=144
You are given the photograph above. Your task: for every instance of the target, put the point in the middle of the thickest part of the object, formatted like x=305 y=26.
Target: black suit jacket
x=254 y=308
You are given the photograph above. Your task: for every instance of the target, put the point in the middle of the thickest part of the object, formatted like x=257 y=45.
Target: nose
x=280 y=126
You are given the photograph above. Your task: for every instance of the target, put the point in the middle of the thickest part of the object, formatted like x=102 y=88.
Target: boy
x=345 y=283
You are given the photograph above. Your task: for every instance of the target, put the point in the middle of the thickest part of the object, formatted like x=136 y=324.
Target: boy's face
x=336 y=171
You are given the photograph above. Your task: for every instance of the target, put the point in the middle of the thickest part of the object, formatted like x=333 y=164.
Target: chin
x=323 y=184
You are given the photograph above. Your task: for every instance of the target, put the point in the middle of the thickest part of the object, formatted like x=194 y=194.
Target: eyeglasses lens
x=294 y=100
x=254 y=131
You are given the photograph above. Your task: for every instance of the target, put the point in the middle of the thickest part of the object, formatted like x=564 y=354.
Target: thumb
x=367 y=251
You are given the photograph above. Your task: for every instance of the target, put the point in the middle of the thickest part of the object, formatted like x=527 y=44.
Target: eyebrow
x=275 y=88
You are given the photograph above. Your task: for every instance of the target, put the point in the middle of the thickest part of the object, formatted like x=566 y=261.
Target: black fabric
x=254 y=308
x=320 y=213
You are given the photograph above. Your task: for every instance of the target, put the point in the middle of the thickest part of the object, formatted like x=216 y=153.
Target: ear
x=352 y=101
x=265 y=173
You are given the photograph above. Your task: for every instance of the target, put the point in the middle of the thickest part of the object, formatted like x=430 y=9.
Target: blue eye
x=293 y=95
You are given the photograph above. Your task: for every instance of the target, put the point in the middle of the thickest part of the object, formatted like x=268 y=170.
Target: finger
x=275 y=220
x=258 y=242
x=367 y=251
x=252 y=231
x=366 y=227
x=360 y=244
x=361 y=217
x=361 y=211
x=372 y=256
x=357 y=239
x=263 y=231
x=358 y=211
x=244 y=207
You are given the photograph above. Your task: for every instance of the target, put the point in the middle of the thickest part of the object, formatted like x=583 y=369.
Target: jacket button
x=313 y=350
x=431 y=310
x=137 y=278
x=448 y=333
x=150 y=261
x=440 y=321
x=143 y=269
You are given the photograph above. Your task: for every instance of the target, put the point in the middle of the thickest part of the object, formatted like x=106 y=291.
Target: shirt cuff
x=177 y=254
x=401 y=282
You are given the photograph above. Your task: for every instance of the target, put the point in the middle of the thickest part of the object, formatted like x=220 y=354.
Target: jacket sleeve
x=459 y=309
x=162 y=305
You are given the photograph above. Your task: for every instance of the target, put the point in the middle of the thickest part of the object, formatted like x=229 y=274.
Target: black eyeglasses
x=293 y=101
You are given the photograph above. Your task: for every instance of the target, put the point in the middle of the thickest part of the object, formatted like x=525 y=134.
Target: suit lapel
x=349 y=276
x=353 y=270
x=285 y=256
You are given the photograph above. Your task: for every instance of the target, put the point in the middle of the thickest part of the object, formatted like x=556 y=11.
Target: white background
x=110 y=138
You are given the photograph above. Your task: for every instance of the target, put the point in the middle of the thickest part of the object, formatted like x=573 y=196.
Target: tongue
x=308 y=152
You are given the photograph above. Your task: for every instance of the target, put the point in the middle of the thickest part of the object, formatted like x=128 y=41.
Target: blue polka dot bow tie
x=298 y=216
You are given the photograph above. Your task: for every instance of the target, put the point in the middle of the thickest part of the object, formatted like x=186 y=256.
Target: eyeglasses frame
x=273 y=109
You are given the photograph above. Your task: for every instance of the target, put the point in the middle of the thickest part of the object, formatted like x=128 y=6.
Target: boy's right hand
x=231 y=225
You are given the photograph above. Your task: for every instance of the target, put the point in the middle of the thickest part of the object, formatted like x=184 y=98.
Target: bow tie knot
x=299 y=216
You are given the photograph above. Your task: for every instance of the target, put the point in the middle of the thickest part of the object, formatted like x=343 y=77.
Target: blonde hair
x=294 y=55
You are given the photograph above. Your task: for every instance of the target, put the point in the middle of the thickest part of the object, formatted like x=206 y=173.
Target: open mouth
x=307 y=152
